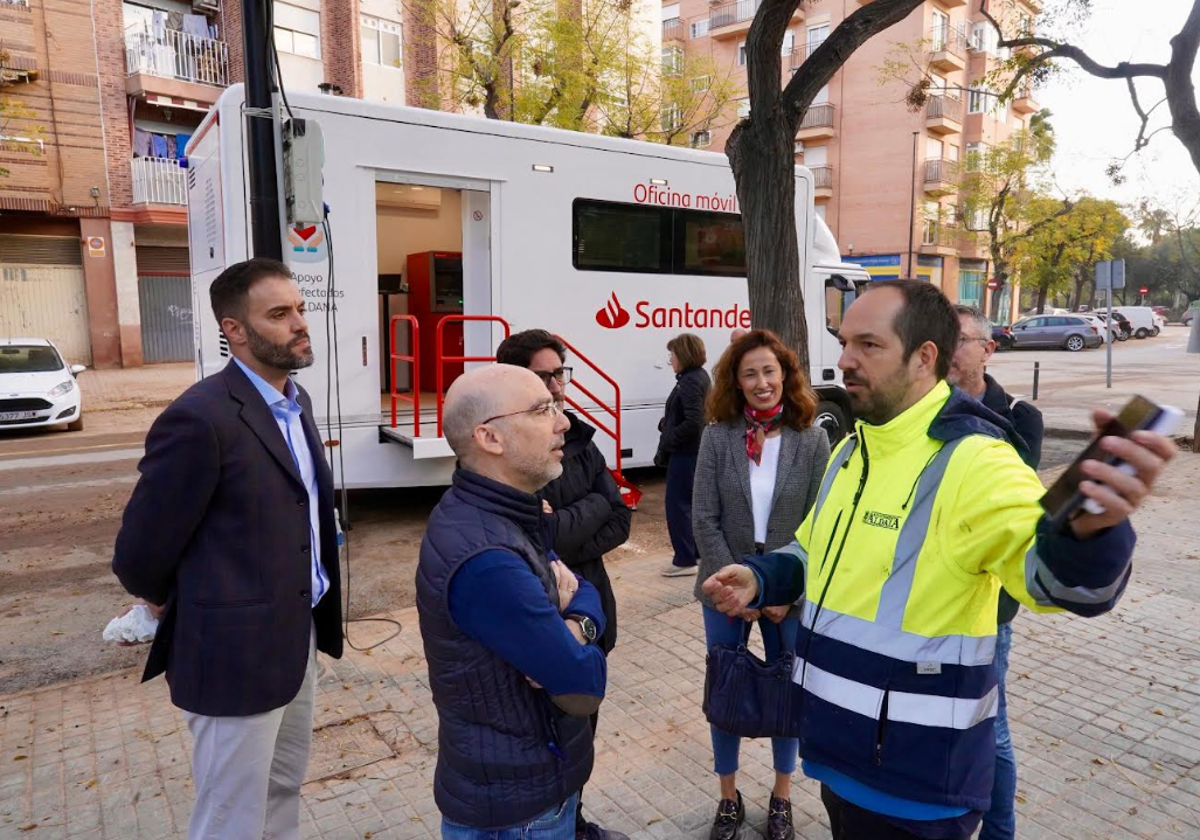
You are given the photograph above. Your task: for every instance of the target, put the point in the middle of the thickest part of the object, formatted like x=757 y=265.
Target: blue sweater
x=497 y=600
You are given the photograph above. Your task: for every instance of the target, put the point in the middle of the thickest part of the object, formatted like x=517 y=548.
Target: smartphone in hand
x=1063 y=500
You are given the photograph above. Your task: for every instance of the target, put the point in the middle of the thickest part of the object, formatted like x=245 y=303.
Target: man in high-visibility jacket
x=923 y=515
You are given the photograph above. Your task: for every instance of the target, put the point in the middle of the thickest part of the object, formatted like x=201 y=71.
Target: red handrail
x=393 y=357
x=614 y=412
x=631 y=494
x=442 y=359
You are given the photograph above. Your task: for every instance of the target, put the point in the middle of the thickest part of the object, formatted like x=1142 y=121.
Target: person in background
x=975 y=348
x=736 y=334
x=588 y=516
x=679 y=444
x=230 y=531
x=509 y=632
x=900 y=562
x=758 y=473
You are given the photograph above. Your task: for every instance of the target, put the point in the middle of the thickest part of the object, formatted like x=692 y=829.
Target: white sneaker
x=672 y=570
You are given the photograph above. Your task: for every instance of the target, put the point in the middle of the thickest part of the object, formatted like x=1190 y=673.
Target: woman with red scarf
x=759 y=470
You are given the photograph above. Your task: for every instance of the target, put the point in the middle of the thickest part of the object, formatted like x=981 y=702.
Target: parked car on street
x=1097 y=322
x=1122 y=329
x=37 y=388
x=1070 y=332
x=1144 y=320
x=1002 y=336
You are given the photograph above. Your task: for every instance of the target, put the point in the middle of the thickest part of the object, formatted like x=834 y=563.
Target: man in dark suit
x=230 y=536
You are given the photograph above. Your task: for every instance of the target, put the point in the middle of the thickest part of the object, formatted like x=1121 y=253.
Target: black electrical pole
x=265 y=221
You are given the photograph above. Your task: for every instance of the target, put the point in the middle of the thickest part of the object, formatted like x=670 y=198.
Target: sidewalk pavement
x=148 y=386
x=1105 y=716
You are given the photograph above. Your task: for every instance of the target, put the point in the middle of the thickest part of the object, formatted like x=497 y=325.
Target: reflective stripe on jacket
x=918 y=525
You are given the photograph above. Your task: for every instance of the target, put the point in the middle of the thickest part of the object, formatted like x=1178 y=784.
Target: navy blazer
x=218 y=530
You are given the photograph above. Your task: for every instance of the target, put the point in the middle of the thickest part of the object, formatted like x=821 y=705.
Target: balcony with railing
x=801 y=52
x=159 y=181
x=822 y=181
x=673 y=30
x=939 y=237
x=170 y=62
x=1024 y=103
x=818 y=123
x=726 y=20
x=941 y=176
x=947 y=48
x=944 y=114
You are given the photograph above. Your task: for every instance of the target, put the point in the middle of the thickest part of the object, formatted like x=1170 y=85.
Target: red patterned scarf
x=762 y=423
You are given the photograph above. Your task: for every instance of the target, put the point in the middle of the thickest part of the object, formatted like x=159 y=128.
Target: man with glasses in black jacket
x=586 y=514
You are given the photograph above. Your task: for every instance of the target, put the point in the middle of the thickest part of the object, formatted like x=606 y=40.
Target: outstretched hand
x=1118 y=492
x=732 y=589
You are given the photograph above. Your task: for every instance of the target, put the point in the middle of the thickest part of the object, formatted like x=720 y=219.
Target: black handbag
x=743 y=695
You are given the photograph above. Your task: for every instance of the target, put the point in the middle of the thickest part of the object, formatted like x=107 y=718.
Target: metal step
x=425 y=446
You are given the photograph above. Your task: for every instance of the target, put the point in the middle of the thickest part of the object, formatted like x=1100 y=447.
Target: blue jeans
x=1000 y=823
x=681 y=475
x=556 y=824
x=720 y=629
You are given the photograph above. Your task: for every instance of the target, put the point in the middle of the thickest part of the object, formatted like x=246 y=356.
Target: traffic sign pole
x=1108 y=344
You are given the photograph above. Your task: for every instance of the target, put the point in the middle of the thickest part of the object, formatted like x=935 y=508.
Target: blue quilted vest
x=506 y=753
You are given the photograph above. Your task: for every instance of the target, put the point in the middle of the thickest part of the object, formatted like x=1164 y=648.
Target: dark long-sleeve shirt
x=496 y=599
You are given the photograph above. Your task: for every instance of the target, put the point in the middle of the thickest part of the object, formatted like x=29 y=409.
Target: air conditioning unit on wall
x=211 y=7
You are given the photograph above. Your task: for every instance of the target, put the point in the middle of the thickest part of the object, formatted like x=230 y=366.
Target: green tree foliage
x=580 y=66
x=1061 y=247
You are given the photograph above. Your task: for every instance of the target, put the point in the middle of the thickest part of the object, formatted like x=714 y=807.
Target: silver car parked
x=1069 y=332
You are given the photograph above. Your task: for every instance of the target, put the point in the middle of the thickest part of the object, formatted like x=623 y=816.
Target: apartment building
x=887 y=178
x=93 y=220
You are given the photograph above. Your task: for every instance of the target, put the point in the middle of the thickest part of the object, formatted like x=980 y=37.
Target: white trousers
x=248 y=770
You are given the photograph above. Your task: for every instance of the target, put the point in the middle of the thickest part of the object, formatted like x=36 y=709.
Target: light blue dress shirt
x=286 y=412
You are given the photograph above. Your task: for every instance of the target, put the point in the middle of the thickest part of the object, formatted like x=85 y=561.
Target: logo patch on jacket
x=881 y=520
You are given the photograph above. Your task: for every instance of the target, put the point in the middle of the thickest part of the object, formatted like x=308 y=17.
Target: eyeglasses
x=562 y=376
x=963 y=339
x=549 y=409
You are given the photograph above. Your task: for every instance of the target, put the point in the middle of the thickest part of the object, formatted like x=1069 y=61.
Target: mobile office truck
x=446 y=233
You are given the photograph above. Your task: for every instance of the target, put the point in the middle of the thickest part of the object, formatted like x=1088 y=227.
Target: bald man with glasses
x=509 y=631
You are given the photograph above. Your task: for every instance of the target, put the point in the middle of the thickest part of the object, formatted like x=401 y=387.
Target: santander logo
x=612 y=315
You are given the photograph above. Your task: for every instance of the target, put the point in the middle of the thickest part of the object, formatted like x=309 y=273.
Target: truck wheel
x=832 y=418
x=1142 y=332
x=1075 y=343
x=1155 y=332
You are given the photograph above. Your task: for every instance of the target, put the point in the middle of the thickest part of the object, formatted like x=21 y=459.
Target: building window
x=699 y=28
x=297 y=30
x=977 y=100
x=970 y=285
x=701 y=139
x=380 y=41
x=672 y=61
x=789 y=42
x=672 y=118
x=974 y=156
x=743 y=108
x=741 y=60
x=701 y=84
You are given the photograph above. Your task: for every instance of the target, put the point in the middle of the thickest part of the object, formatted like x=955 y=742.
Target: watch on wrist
x=588 y=627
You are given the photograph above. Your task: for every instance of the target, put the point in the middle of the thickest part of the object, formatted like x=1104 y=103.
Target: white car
x=1096 y=321
x=37 y=388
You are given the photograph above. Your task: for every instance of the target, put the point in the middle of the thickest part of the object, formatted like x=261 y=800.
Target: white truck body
x=517 y=187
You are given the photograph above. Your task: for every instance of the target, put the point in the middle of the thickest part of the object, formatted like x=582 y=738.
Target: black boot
x=730 y=816
x=779 y=820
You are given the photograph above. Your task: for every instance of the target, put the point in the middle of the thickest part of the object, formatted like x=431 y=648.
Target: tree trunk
x=762 y=157
x=1041 y=298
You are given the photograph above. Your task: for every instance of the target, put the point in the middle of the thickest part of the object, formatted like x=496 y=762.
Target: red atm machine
x=435 y=290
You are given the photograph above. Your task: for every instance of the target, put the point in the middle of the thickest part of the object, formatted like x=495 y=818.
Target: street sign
x=1110 y=275
x=993 y=284
x=1143 y=291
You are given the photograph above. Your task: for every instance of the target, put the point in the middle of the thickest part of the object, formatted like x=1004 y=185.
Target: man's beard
x=878 y=405
x=278 y=356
